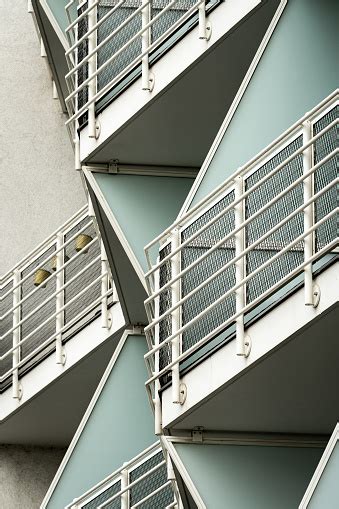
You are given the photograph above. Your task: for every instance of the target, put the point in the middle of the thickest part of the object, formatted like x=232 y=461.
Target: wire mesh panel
x=168 y=18
x=31 y=332
x=165 y=302
x=82 y=52
x=327 y=172
x=77 y=264
x=203 y=270
x=148 y=485
x=119 y=40
x=105 y=495
x=273 y=214
x=6 y=324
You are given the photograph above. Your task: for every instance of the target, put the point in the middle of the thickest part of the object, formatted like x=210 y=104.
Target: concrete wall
x=25 y=474
x=39 y=188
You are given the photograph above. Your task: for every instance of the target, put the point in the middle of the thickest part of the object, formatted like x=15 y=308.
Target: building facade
x=170 y=339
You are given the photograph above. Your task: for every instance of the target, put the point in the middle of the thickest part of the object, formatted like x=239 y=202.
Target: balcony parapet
x=144 y=481
x=53 y=293
x=264 y=230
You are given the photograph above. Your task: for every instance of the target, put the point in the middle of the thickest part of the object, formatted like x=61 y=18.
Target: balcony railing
x=112 y=39
x=141 y=483
x=265 y=226
x=54 y=292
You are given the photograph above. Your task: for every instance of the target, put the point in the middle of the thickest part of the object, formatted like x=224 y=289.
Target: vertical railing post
x=105 y=318
x=175 y=316
x=240 y=294
x=60 y=299
x=145 y=43
x=124 y=484
x=308 y=214
x=92 y=43
x=17 y=391
x=204 y=26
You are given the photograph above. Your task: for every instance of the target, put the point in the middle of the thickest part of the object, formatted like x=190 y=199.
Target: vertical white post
x=176 y=316
x=17 y=393
x=77 y=162
x=124 y=484
x=59 y=302
x=202 y=21
x=92 y=42
x=308 y=215
x=157 y=409
x=239 y=211
x=145 y=43
x=104 y=289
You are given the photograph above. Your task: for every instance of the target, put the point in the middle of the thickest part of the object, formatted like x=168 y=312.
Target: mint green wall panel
x=298 y=69
x=58 y=9
x=143 y=206
x=249 y=477
x=120 y=426
x=326 y=494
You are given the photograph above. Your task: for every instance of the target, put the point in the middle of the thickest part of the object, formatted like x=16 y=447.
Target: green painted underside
x=249 y=477
x=326 y=494
x=120 y=426
x=298 y=69
x=58 y=9
x=143 y=206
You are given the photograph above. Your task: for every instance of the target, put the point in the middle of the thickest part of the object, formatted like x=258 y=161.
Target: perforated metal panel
x=266 y=278
x=220 y=285
x=328 y=231
x=105 y=495
x=152 y=482
x=165 y=302
x=5 y=325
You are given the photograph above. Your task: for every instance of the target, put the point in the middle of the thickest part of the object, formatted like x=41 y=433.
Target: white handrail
x=246 y=167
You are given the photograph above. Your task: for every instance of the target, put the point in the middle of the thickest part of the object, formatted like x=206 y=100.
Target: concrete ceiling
x=52 y=417
x=179 y=126
x=301 y=377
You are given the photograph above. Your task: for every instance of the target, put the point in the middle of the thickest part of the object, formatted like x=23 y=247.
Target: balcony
x=134 y=63
x=57 y=305
x=263 y=243
x=140 y=483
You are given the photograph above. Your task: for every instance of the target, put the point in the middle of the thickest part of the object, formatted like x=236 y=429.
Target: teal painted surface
x=297 y=70
x=143 y=206
x=120 y=426
x=58 y=9
x=249 y=477
x=326 y=494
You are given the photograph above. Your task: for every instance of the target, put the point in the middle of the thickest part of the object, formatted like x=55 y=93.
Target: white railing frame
x=14 y=276
x=236 y=183
x=94 y=70
x=123 y=475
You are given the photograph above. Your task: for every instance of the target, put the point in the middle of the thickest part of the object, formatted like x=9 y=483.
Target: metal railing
x=265 y=225
x=146 y=481
x=52 y=294
x=108 y=39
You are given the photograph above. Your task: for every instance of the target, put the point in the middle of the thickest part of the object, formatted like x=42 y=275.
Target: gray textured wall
x=25 y=475
x=39 y=188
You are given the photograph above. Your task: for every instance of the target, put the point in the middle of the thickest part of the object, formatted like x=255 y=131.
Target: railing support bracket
x=182 y=393
x=18 y=392
x=248 y=345
x=316 y=295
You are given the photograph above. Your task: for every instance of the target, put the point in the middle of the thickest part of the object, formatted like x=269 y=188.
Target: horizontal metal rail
x=122 y=476
x=241 y=171
x=86 y=272
x=243 y=253
x=236 y=236
x=105 y=483
x=137 y=60
x=48 y=258
x=51 y=338
x=247 y=193
x=247 y=308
